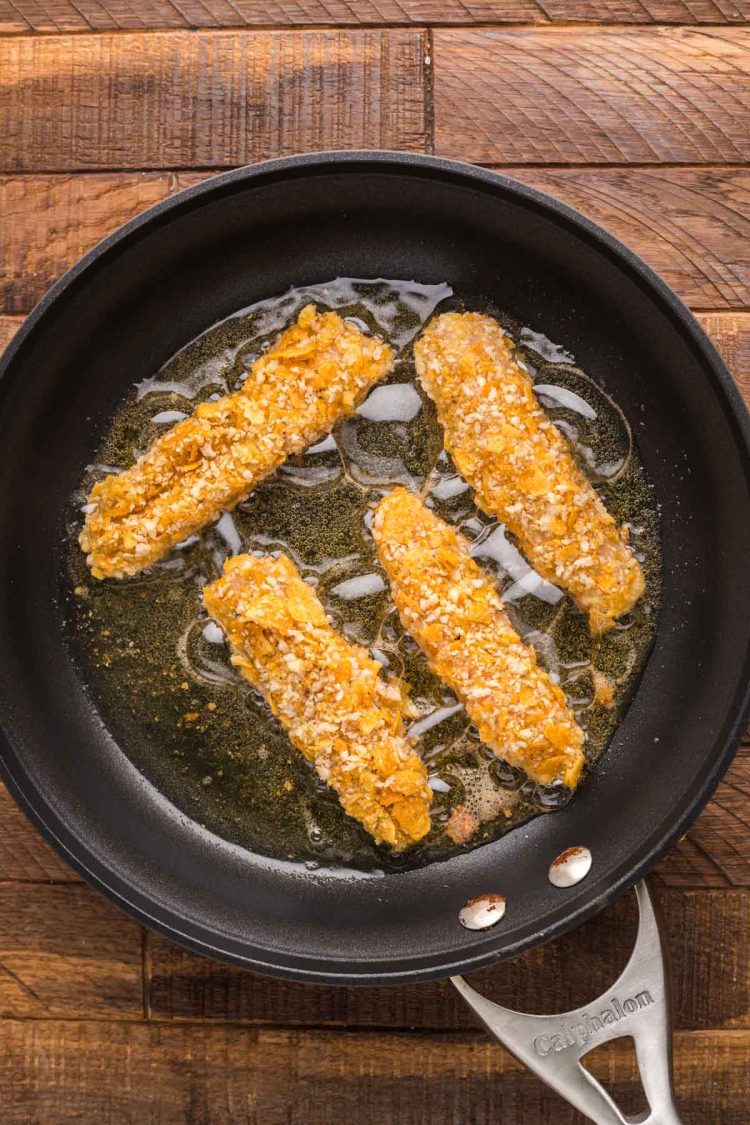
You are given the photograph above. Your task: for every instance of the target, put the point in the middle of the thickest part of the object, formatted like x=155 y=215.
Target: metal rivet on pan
x=570 y=867
x=482 y=913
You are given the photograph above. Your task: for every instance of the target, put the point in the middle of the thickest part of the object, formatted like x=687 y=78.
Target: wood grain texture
x=649 y=11
x=23 y=16
x=691 y=224
x=181 y=99
x=9 y=325
x=131 y=1073
x=66 y=951
x=730 y=334
x=111 y=15
x=24 y=856
x=592 y=96
x=710 y=956
x=719 y=841
x=48 y=222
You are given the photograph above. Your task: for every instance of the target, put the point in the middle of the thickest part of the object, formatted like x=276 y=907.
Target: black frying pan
x=201 y=255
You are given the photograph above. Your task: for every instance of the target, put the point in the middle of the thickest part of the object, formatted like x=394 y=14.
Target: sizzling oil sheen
x=158 y=667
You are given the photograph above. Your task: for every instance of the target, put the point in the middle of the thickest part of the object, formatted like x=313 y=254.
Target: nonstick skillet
x=201 y=255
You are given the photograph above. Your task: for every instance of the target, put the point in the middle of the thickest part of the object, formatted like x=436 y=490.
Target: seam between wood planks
x=466 y=1035
x=490 y=165
x=429 y=92
x=544 y=23
x=146 y=972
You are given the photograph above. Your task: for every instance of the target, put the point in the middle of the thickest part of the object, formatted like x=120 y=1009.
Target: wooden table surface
x=637 y=112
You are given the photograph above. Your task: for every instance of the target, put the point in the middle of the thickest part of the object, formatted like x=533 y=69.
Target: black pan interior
x=250 y=234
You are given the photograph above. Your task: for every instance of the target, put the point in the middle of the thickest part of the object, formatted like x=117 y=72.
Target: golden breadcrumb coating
x=319 y=371
x=521 y=467
x=329 y=694
x=454 y=612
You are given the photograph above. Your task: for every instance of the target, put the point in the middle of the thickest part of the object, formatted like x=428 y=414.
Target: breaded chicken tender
x=521 y=467
x=319 y=370
x=454 y=612
x=330 y=695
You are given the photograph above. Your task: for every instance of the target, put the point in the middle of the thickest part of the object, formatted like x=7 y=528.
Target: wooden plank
x=593 y=96
x=730 y=334
x=19 y=16
x=48 y=222
x=649 y=11
x=102 y=15
x=110 y=15
x=450 y=1080
x=206 y=99
x=710 y=955
x=131 y=1073
x=397 y=1078
x=9 y=325
x=67 y=952
x=721 y=835
x=692 y=225
x=24 y=856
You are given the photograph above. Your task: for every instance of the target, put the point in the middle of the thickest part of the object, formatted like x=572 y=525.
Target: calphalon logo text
x=578 y=1034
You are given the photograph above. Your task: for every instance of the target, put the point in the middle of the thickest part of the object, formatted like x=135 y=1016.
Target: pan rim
x=296 y=966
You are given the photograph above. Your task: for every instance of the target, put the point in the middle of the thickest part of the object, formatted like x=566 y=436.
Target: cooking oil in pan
x=158 y=667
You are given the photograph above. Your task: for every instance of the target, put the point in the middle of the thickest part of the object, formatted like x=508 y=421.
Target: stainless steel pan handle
x=637 y=1004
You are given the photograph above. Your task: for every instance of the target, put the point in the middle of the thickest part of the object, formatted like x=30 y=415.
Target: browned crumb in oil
x=462 y=825
x=604 y=690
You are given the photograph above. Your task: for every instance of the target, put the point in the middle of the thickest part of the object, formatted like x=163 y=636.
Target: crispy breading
x=318 y=371
x=454 y=612
x=330 y=695
x=521 y=467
